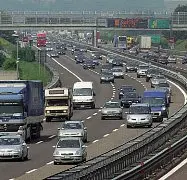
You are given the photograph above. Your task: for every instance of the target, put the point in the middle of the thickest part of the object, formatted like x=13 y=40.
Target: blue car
x=80 y=59
x=125 y=89
x=89 y=64
x=95 y=60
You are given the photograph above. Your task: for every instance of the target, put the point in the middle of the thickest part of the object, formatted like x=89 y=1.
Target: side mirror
x=85 y=128
x=24 y=144
x=58 y=128
x=94 y=94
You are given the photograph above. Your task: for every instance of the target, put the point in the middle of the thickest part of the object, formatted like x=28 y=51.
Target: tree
x=181 y=8
x=2 y=59
x=9 y=64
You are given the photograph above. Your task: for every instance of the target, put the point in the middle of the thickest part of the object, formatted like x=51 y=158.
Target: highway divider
x=134 y=159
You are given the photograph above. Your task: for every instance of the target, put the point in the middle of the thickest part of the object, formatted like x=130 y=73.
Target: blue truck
x=158 y=101
x=21 y=108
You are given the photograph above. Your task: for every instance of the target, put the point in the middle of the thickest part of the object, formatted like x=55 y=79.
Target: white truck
x=145 y=43
x=83 y=95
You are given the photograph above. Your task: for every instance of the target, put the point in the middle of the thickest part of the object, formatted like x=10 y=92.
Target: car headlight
x=56 y=153
x=78 y=152
x=65 y=111
x=163 y=108
x=47 y=111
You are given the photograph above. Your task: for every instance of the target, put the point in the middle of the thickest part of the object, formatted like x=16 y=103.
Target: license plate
x=66 y=157
x=82 y=105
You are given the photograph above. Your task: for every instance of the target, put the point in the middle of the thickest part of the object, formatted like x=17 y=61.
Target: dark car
x=95 y=60
x=80 y=59
x=61 y=52
x=125 y=89
x=130 y=68
x=130 y=98
x=54 y=54
x=184 y=59
x=97 y=55
x=107 y=77
x=89 y=64
x=163 y=59
x=117 y=62
x=150 y=73
x=76 y=54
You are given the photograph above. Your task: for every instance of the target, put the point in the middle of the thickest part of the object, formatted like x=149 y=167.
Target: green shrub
x=2 y=59
x=9 y=64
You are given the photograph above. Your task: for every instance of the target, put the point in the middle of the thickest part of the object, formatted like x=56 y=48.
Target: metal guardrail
x=128 y=154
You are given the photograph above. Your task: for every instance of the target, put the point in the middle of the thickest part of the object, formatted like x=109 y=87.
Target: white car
x=118 y=73
x=172 y=59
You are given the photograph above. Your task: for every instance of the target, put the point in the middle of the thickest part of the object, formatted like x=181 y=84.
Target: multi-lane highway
x=102 y=135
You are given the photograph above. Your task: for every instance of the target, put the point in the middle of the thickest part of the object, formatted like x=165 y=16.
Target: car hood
x=111 y=109
x=139 y=116
x=71 y=131
x=156 y=108
x=83 y=98
x=9 y=147
x=68 y=151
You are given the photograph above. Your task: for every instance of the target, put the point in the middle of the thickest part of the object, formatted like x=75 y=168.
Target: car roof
x=77 y=121
x=13 y=136
x=70 y=138
x=113 y=101
x=140 y=104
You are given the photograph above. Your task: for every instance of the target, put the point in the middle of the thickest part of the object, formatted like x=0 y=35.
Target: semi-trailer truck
x=21 y=108
x=145 y=44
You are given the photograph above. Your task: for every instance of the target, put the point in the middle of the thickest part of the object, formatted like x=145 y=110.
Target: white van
x=83 y=95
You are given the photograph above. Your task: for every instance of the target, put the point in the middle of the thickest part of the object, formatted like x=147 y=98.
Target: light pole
x=17 y=54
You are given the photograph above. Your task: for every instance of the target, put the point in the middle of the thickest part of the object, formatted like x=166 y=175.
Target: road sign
x=155 y=39
x=159 y=23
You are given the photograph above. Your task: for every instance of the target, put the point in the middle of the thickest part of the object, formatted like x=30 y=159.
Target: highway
x=113 y=131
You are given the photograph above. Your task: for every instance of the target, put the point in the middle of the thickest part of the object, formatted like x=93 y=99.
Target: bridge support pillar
x=94 y=38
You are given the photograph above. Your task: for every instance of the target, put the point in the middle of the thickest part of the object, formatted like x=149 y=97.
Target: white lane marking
x=181 y=90
x=39 y=142
x=101 y=107
x=95 y=141
x=114 y=91
x=11 y=179
x=44 y=119
x=99 y=110
x=115 y=130
x=122 y=125
x=50 y=162
x=67 y=69
x=89 y=117
x=94 y=114
x=111 y=98
x=50 y=137
x=106 y=135
x=31 y=171
x=176 y=168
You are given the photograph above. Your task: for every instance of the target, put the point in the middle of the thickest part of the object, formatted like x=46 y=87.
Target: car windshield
x=9 y=141
x=107 y=73
x=152 y=71
x=88 y=62
x=72 y=126
x=110 y=56
x=152 y=101
x=126 y=89
x=139 y=110
x=57 y=102
x=143 y=67
x=163 y=85
x=68 y=144
x=117 y=70
x=112 y=105
x=159 y=77
x=131 y=95
x=82 y=92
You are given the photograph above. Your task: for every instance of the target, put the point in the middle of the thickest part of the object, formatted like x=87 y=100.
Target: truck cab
x=158 y=101
x=83 y=95
x=58 y=104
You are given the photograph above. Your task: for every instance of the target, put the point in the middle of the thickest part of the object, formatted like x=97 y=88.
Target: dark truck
x=21 y=108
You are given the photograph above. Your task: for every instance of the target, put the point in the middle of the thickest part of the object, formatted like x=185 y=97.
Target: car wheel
x=102 y=118
x=48 y=119
x=138 y=76
x=26 y=157
x=22 y=157
x=147 y=80
x=149 y=126
x=93 y=106
x=101 y=82
x=55 y=163
x=120 y=117
x=128 y=126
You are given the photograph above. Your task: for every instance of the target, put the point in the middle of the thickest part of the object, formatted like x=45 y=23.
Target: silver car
x=118 y=72
x=106 y=77
x=156 y=79
x=112 y=109
x=139 y=115
x=73 y=129
x=110 y=58
x=172 y=59
x=69 y=150
x=13 y=147
x=142 y=70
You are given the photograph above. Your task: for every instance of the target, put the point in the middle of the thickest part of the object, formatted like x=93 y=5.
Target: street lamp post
x=17 y=54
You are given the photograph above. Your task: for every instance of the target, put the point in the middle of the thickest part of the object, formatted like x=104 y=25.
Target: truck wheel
x=48 y=119
x=93 y=106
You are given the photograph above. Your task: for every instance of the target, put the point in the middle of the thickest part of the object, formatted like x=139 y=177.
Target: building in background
x=172 y=4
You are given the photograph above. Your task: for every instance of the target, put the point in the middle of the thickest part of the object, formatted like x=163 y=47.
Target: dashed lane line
x=50 y=137
x=106 y=135
x=50 y=163
x=94 y=114
x=95 y=141
x=89 y=117
x=122 y=125
x=115 y=130
x=31 y=171
x=39 y=142
x=99 y=110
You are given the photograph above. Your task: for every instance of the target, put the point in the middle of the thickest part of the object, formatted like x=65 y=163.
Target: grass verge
x=32 y=71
